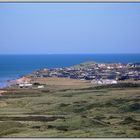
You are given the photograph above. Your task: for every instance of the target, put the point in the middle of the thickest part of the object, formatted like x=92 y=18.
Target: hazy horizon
x=77 y=54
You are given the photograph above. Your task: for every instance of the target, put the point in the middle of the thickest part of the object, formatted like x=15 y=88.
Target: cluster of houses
x=97 y=73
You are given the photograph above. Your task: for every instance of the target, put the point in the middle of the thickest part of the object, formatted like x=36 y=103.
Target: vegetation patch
x=128 y=120
x=119 y=85
x=30 y=118
x=9 y=127
x=63 y=105
x=130 y=107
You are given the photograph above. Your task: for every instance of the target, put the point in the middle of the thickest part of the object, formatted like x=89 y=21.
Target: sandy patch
x=60 y=81
x=23 y=80
x=54 y=83
x=2 y=91
x=3 y=104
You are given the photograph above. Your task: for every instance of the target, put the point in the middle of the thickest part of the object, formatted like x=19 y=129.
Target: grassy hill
x=88 y=64
x=105 y=112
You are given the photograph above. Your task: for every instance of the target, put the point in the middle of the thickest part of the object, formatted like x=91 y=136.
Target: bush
x=36 y=84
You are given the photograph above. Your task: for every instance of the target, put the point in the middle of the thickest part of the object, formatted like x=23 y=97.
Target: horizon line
x=71 y=54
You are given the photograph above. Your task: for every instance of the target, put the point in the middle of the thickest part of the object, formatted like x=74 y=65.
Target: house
x=104 y=82
x=96 y=82
x=39 y=87
x=25 y=85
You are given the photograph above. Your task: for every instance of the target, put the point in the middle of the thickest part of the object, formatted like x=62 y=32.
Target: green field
x=105 y=112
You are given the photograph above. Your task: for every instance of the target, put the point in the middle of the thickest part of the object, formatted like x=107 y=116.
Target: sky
x=69 y=28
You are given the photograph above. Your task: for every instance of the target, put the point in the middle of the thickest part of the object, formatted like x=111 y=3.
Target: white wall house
x=104 y=82
x=26 y=85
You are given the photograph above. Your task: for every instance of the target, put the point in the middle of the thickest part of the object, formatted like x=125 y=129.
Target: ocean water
x=14 y=66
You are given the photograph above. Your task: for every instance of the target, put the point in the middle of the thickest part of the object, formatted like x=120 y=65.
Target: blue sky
x=53 y=28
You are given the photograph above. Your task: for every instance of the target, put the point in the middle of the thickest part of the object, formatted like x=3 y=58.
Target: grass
x=9 y=127
x=87 y=113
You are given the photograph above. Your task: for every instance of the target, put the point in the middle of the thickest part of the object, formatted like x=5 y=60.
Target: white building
x=104 y=82
x=41 y=86
x=25 y=85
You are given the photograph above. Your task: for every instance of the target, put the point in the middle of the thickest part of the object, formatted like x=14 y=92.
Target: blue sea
x=15 y=66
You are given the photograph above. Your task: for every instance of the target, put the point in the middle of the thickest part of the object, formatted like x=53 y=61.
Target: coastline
x=15 y=66
x=58 y=72
x=6 y=83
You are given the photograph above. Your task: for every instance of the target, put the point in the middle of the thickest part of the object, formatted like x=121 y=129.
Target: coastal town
x=96 y=73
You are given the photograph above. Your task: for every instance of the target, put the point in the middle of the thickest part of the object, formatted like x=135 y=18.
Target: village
x=96 y=73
